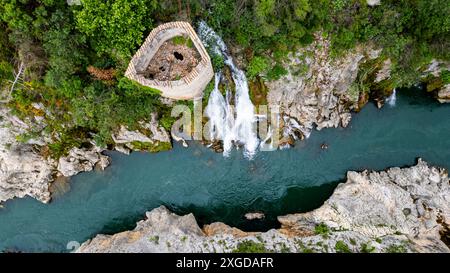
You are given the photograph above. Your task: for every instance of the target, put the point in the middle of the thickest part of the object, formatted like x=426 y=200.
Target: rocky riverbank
x=26 y=168
x=397 y=210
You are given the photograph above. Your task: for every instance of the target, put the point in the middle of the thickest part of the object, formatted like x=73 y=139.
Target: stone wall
x=190 y=86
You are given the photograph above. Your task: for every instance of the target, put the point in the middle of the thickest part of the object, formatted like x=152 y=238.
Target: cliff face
x=398 y=210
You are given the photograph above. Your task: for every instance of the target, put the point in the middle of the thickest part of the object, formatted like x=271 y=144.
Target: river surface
x=215 y=188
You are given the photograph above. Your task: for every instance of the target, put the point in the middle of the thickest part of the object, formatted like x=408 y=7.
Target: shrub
x=154 y=239
x=445 y=75
x=341 y=247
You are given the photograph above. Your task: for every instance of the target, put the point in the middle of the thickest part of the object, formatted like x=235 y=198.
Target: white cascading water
x=392 y=98
x=224 y=124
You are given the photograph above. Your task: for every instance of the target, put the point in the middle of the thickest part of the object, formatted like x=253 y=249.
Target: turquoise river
x=215 y=188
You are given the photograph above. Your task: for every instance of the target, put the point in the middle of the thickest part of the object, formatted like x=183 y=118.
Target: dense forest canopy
x=74 y=55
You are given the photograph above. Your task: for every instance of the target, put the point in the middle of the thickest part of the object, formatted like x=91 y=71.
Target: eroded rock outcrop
x=150 y=137
x=398 y=210
x=444 y=94
x=321 y=91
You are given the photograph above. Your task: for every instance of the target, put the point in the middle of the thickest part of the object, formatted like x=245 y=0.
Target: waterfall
x=392 y=98
x=232 y=127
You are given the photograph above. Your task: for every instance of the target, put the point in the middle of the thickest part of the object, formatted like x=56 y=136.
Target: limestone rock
x=385 y=72
x=122 y=149
x=373 y=2
x=24 y=171
x=81 y=160
x=103 y=162
x=158 y=132
x=444 y=94
x=219 y=228
x=403 y=210
x=435 y=67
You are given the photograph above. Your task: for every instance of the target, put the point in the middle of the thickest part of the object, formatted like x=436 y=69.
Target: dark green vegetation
x=75 y=56
x=322 y=229
x=365 y=248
